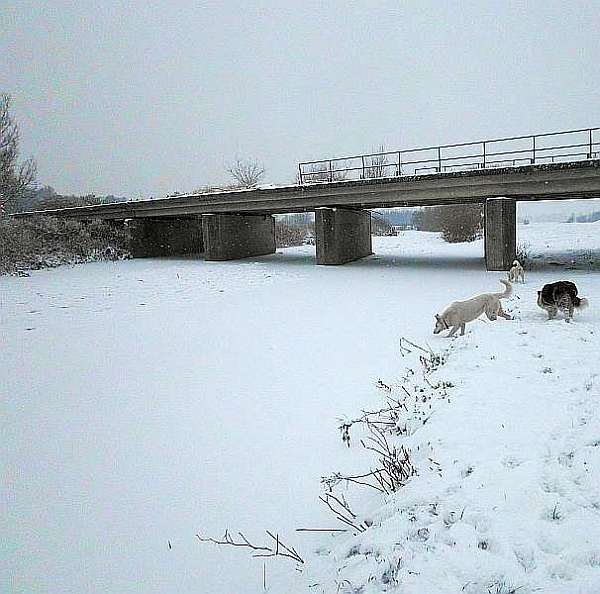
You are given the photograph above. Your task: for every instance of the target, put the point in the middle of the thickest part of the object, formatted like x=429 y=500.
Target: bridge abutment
x=500 y=233
x=166 y=237
x=342 y=235
x=235 y=236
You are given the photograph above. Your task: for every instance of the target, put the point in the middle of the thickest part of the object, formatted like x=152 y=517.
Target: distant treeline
x=588 y=218
x=46 y=198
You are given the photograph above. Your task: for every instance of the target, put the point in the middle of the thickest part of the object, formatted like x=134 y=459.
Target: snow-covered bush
x=524 y=254
x=457 y=223
x=41 y=242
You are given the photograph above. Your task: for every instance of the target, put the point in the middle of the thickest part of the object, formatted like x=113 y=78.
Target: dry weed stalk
x=278 y=549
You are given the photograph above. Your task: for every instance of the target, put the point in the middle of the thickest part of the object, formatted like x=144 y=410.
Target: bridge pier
x=235 y=236
x=500 y=233
x=342 y=235
x=165 y=237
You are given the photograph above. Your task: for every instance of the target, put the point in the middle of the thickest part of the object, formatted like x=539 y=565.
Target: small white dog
x=516 y=272
x=457 y=314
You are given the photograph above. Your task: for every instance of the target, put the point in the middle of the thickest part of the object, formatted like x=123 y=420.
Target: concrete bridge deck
x=555 y=181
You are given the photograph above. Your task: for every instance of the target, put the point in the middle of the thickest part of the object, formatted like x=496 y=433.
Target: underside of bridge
x=166 y=237
x=342 y=235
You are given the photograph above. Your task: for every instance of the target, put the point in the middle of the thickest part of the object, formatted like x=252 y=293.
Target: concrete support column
x=234 y=236
x=500 y=233
x=165 y=237
x=343 y=235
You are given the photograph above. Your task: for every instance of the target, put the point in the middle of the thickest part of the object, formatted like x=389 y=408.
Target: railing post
x=300 y=174
x=362 y=158
x=399 y=163
x=590 y=155
x=330 y=171
x=439 y=159
x=484 y=155
x=533 y=160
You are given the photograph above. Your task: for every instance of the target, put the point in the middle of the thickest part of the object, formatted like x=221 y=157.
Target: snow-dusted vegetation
x=185 y=397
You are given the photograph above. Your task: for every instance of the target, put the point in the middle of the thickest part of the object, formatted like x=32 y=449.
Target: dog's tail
x=507 y=292
x=581 y=302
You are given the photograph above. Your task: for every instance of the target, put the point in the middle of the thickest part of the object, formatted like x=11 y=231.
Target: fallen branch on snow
x=278 y=549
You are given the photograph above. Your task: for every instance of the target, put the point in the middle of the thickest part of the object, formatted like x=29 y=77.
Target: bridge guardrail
x=553 y=147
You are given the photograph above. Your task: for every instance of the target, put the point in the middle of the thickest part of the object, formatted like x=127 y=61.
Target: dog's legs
x=452 y=331
x=552 y=311
x=491 y=315
x=502 y=313
x=570 y=309
x=462 y=329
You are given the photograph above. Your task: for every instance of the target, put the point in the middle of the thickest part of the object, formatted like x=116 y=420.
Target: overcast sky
x=151 y=97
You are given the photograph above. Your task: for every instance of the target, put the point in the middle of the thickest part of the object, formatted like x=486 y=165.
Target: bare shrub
x=247 y=173
x=457 y=222
x=377 y=165
x=287 y=235
x=462 y=223
x=524 y=254
x=326 y=172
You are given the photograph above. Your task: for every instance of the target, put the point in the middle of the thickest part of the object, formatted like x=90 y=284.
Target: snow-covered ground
x=146 y=401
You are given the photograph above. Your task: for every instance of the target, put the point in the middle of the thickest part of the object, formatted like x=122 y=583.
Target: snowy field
x=146 y=401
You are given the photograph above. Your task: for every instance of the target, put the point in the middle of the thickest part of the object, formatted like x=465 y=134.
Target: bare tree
x=376 y=165
x=457 y=222
x=246 y=173
x=326 y=172
x=15 y=178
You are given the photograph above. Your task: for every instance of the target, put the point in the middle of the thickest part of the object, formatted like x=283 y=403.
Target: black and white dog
x=561 y=295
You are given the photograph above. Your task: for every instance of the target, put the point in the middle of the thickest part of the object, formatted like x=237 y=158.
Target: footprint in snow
x=560 y=571
x=525 y=555
x=550 y=545
x=566 y=459
x=511 y=462
x=465 y=472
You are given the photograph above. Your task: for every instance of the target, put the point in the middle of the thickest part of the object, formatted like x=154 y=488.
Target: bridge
x=497 y=173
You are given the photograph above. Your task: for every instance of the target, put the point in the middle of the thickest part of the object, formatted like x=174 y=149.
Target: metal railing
x=554 y=147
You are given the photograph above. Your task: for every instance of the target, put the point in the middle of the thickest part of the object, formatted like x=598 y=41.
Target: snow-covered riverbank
x=147 y=400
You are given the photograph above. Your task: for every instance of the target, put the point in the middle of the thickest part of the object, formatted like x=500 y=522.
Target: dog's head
x=516 y=264
x=540 y=301
x=440 y=324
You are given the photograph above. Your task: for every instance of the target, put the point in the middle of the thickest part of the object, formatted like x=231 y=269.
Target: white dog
x=457 y=314
x=517 y=271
